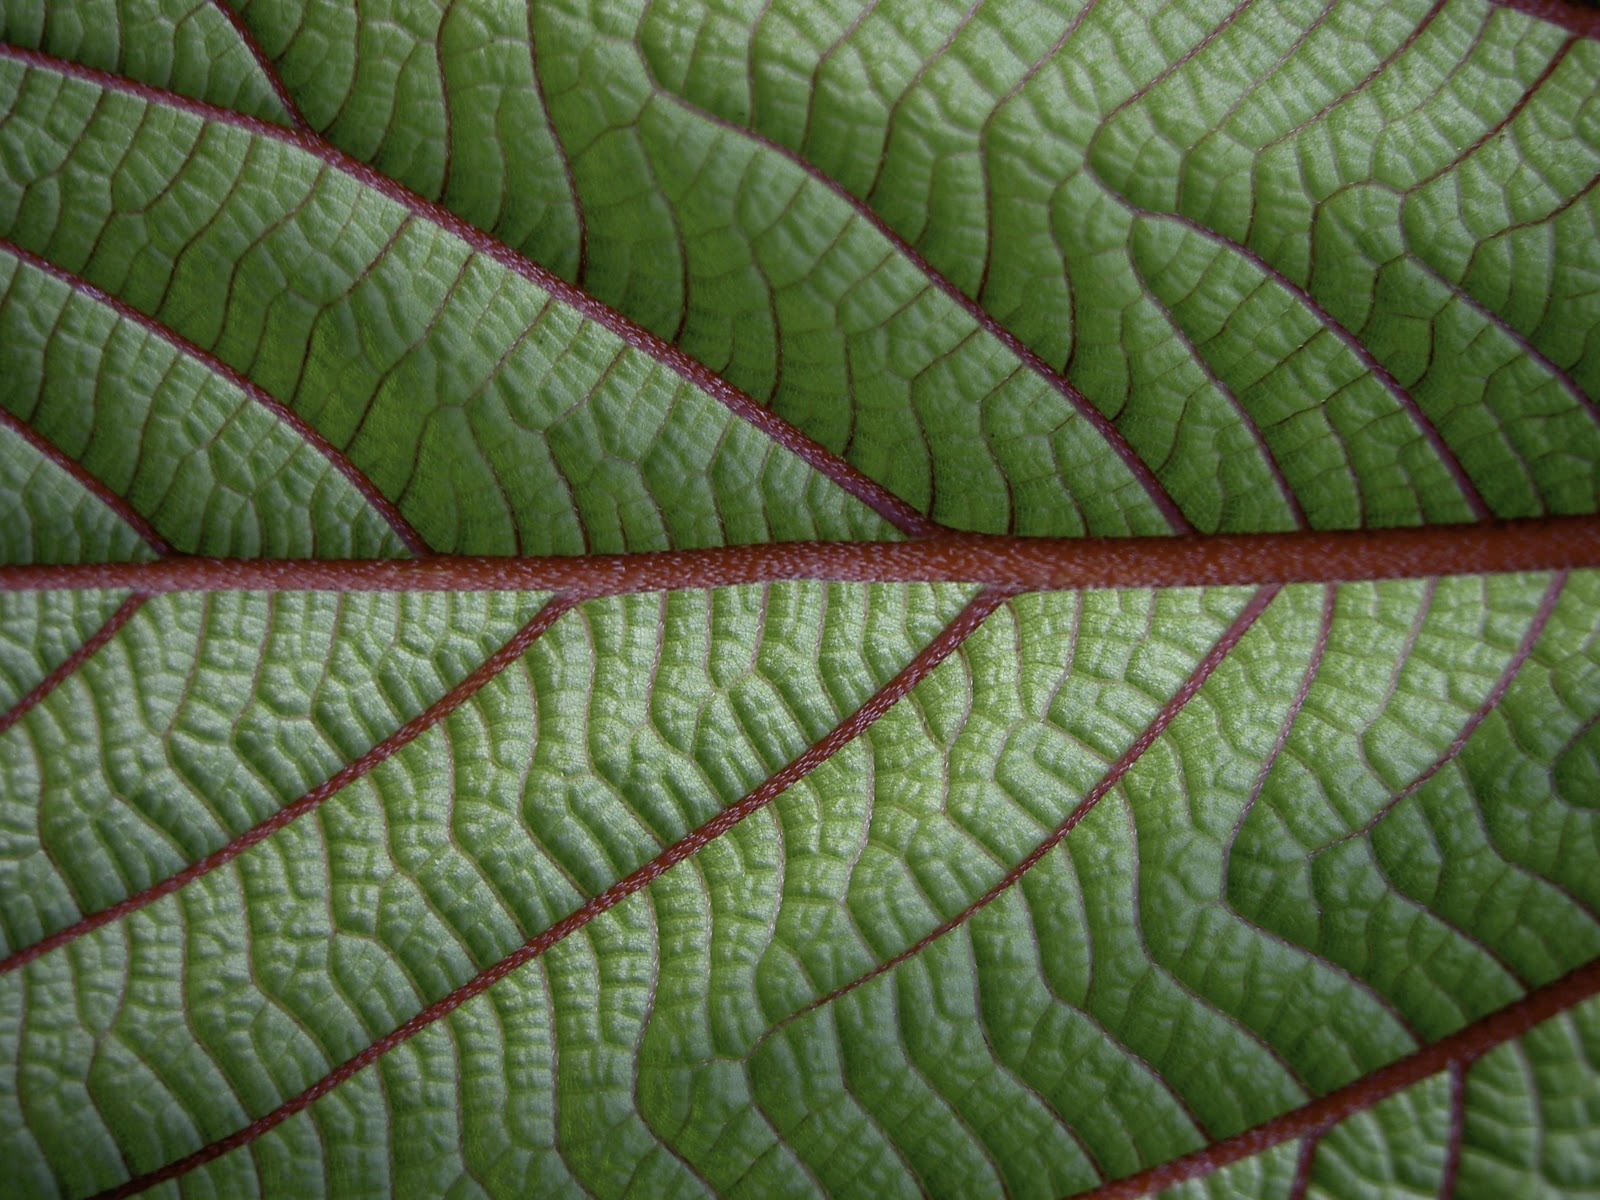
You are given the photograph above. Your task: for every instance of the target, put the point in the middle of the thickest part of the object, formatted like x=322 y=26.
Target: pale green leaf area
x=1045 y=268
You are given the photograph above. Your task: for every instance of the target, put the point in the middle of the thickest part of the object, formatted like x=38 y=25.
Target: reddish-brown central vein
x=349 y=773
x=1477 y=1039
x=1016 y=563
x=935 y=652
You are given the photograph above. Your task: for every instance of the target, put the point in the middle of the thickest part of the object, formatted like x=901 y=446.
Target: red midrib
x=1004 y=560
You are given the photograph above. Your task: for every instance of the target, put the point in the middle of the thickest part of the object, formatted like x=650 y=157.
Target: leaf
x=491 y=701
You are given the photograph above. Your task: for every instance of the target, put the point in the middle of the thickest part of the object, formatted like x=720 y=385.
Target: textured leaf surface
x=809 y=886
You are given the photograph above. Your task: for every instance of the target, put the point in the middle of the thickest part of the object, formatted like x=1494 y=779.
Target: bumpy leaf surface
x=794 y=882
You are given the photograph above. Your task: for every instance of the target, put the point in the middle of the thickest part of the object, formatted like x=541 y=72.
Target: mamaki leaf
x=761 y=599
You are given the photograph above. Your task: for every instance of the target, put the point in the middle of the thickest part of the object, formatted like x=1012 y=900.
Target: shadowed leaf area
x=843 y=886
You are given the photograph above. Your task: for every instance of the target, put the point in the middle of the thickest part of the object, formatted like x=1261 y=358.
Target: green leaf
x=337 y=858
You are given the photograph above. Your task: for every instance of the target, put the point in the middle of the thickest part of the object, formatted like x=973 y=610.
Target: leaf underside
x=796 y=887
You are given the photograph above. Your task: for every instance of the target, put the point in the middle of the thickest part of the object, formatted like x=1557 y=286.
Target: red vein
x=1167 y=72
x=930 y=656
x=848 y=477
x=124 y=510
x=1523 y=343
x=1490 y=702
x=815 y=90
x=385 y=507
x=1304 y=1162
x=1463 y=1046
x=72 y=662
x=347 y=774
x=1026 y=564
x=1458 y=1114
x=1500 y=126
x=446 y=114
x=1349 y=93
x=1385 y=378
x=986 y=159
x=1253 y=428
x=1191 y=686
x=561 y=152
x=1256 y=432
x=280 y=90
x=1286 y=726
x=1292 y=715
x=892 y=118
x=91 y=483
x=1030 y=358
x=1541 y=617
x=1301 y=41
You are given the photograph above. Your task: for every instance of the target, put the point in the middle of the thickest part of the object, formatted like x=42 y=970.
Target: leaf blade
x=846 y=991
